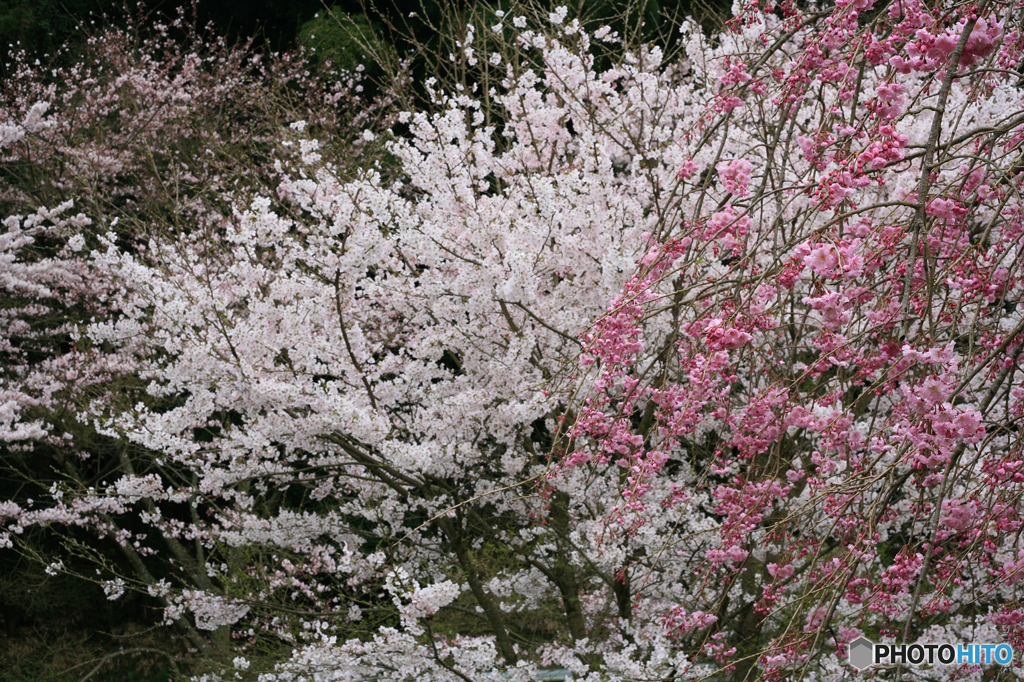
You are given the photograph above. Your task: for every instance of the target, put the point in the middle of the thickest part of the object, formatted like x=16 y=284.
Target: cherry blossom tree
x=815 y=365
x=136 y=130
x=710 y=358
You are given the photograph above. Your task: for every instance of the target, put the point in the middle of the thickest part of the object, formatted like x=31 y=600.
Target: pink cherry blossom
x=708 y=359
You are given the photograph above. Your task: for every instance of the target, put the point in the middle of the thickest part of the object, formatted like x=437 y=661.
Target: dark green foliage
x=337 y=40
x=41 y=26
x=55 y=628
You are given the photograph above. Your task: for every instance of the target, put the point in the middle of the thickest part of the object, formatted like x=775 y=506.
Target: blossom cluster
x=713 y=360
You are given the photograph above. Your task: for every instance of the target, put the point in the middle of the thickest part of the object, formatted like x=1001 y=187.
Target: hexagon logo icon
x=861 y=652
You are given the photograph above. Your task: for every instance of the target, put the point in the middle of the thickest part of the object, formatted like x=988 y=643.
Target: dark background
x=41 y=26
